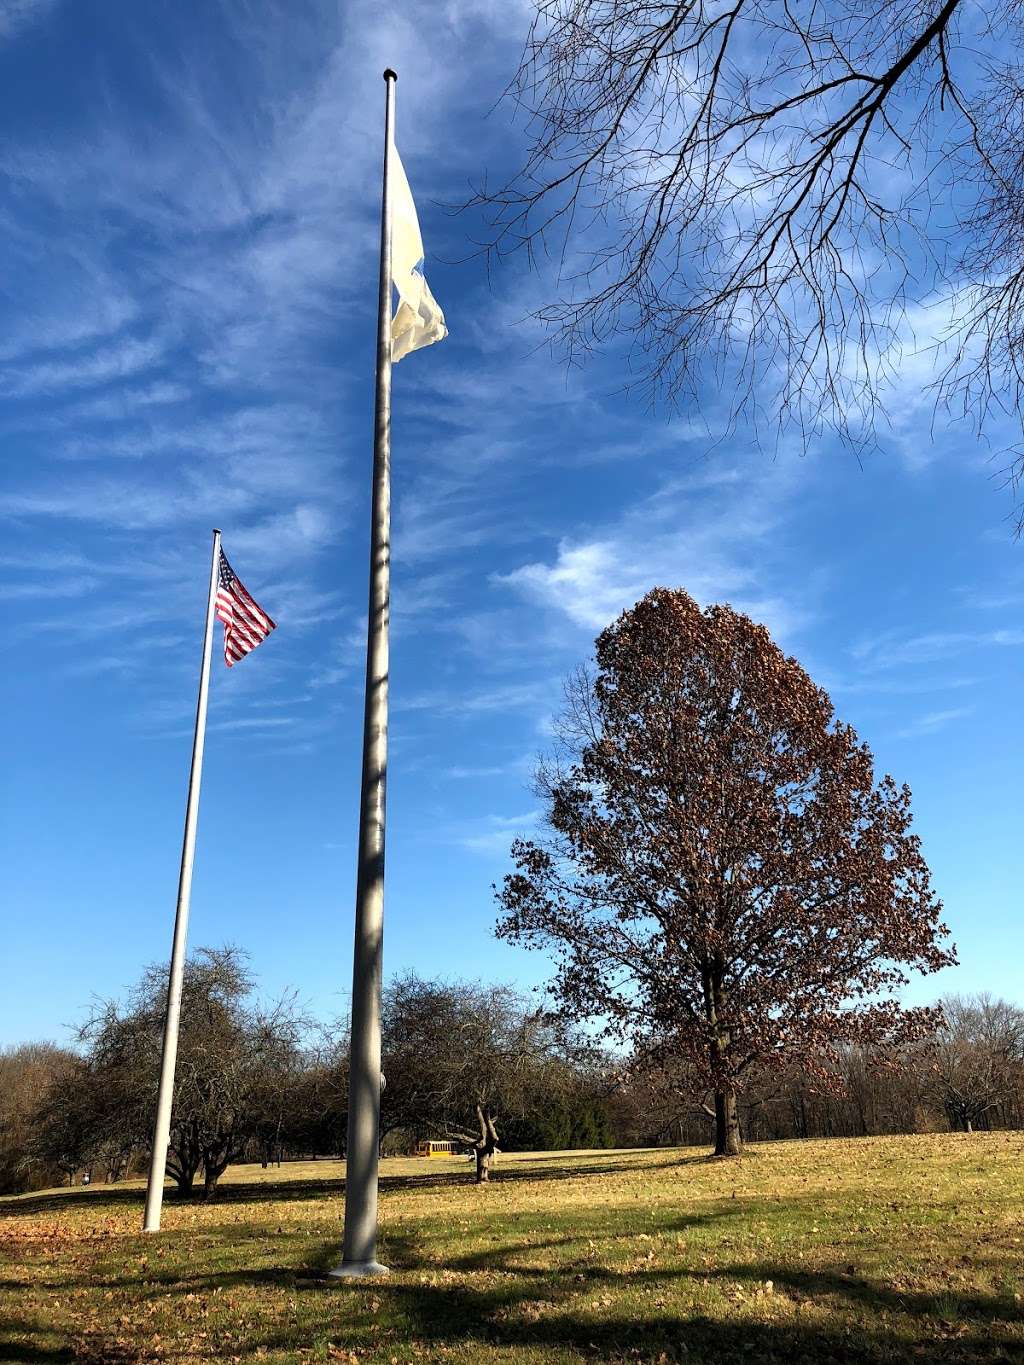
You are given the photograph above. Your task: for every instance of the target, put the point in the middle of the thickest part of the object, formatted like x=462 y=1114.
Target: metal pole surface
x=169 y=1054
x=359 y=1253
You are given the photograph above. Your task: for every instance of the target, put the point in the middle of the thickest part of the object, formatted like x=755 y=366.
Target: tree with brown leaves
x=725 y=883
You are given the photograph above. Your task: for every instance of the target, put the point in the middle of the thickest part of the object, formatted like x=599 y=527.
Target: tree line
x=262 y=1081
x=968 y=1075
x=463 y=1061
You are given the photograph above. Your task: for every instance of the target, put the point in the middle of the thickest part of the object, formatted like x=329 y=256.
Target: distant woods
x=464 y=1062
x=967 y=1076
x=67 y=1113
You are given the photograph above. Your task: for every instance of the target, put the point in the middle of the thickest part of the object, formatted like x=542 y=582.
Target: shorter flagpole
x=169 y=1054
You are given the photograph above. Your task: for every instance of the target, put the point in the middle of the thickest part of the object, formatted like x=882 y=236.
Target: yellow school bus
x=428 y=1147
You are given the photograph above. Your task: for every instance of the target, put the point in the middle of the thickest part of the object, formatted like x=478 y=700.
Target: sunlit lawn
x=881 y=1249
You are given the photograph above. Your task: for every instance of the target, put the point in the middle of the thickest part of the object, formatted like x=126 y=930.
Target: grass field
x=894 y=1249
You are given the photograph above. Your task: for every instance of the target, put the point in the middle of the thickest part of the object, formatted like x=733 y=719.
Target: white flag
x=418 y=320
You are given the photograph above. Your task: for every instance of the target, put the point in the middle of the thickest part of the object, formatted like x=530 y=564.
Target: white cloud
x=590 y=582
x=889 y=686
x=254 y=723
x=465 y=702
x=18 y=15
x=893 y=648
x=932 y=721
x=26 y=592
x=120 y=360
x=461 y=773
x=713 y=536
x=125 y=403
x=494 y=833
x=283 y=538
x=131 y=506
x=90 y=306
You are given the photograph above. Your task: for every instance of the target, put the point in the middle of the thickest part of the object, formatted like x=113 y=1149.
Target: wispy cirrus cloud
x=18 y=15
x=493 y=834
x=29 y=592
x=473 y=701
x=710 y=532
x=932 y=721
x=121 y=360
x=895 y=648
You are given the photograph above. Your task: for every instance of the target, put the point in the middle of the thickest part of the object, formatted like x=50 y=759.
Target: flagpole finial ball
x=390 y=75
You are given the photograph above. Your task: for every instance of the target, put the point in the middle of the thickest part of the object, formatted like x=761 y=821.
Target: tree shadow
x=817 y=1284
x=14 y=1352
x=537 y=1306
x=533 y=1314
x=550 y=1304
x=545 y=1295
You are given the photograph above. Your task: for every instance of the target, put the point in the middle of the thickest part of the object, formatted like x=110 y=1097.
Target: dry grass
x=894 y=1249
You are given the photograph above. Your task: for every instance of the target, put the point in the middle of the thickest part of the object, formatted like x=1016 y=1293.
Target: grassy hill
x=881 y=1249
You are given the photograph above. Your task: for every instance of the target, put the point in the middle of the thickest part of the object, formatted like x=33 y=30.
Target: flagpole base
x=357 y=1270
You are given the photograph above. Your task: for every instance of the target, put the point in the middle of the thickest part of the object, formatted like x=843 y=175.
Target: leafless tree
x=27 y=1073
x=979 y=1058
x=459 y=1055
x=778 y=191
x=234 y=1059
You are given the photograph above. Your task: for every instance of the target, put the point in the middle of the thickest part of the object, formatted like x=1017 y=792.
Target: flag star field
x=189 y=231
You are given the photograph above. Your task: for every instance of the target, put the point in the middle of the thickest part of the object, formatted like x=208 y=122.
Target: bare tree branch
x=760 y=191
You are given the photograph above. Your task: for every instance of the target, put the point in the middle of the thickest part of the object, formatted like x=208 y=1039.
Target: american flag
x=246 y=624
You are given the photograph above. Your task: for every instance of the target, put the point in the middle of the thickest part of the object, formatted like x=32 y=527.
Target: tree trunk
x=727 y=1124
x=727 y=1121
x=210 y=1178
x=487 y=1145
x=184 y=1179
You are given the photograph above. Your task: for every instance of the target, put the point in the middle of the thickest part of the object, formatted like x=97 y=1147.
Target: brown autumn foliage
x=725 y=883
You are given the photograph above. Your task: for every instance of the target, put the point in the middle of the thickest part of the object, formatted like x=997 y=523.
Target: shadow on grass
x=537 y=1307
x=13 y=1352
x=269 y=1191
x=529 y=1309
x=545 y=1277
x=818 y=1284
x=534 y=1295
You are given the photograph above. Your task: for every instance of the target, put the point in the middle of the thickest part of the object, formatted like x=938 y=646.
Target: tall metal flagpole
x=169 y=1055
x=359 y=1253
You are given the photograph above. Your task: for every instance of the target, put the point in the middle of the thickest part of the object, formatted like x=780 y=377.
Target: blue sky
x=188 y=218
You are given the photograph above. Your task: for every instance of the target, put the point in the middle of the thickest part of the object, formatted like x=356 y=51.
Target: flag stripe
x=249 y=608
x=246 y=624
x=250 y=622
x=238 y=625
x=249 y=602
